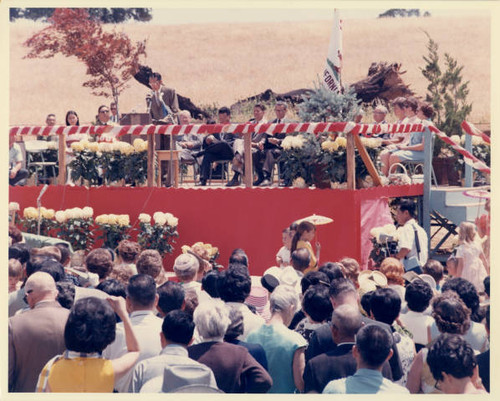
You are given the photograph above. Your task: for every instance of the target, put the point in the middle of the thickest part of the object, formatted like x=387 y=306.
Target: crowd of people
x=116 y=321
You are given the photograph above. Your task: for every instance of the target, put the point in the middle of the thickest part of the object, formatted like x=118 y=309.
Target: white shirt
x=417 y=323
x=251 y=321
x=196 y=287
x=284 y=254
x=406 y=236
x=147 y=328
x=476 y=336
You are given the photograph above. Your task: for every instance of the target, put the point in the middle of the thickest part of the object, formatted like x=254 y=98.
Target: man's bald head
x=40 y=286
x=346 y=321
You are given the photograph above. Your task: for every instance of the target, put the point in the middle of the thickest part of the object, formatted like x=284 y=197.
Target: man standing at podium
x=162 y=105
x=162 y=102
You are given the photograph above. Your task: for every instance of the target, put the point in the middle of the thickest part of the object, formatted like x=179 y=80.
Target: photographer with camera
x=413 y=241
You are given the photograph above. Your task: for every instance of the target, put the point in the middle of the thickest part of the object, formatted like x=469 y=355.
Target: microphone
x=44 y=189
x=39 y=204
x=149 y=101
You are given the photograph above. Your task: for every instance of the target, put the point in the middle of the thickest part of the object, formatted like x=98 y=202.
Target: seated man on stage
x=115 y=117
x=239 y=145
x=216 y=147
x=187 y=144
x=264 y=160
x=16 y=172
x=103 y=116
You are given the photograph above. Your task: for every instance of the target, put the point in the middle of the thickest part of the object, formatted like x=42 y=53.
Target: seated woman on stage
x=90 y=328
x=398 y=108
x=72 y=120
x=414 y=149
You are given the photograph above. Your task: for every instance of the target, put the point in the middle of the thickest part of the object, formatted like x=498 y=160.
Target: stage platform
x=230 y=218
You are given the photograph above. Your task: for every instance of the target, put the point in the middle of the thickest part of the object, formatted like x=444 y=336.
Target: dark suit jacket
x=333 y=365
x=169 y=97
x=255 y=350
x=483 y=363
x=321 y=341
x=235 y=370
x=269 y=145
x=35 y=337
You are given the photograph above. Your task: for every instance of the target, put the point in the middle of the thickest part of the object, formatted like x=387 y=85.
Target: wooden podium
x=136 y=119
x=161 y=142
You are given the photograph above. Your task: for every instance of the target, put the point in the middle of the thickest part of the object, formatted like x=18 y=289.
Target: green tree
x=446 y=91
x=323 y=105
x=104 y=15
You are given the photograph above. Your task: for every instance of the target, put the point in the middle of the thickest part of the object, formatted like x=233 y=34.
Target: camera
x=388 y=247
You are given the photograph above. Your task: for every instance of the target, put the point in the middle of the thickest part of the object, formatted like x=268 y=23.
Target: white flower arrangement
x=293 y=142
x=145 y=218
x=330 y=146
x=299 y=182
x=51 y=145
x=122 y=220
x=114 y=228
x=140 y=145
x=159 y=235
x=13 y=207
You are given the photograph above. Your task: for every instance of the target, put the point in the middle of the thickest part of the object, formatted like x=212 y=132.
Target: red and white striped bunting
x=108 y=133
x=471 y=129
x=237 y=128
x=469 y=158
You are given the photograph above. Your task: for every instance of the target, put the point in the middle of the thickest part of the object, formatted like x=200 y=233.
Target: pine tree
x=446 y=92
x=432 y=73
x=323 y=105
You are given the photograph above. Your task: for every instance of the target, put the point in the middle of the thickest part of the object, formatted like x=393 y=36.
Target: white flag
x=333 y=68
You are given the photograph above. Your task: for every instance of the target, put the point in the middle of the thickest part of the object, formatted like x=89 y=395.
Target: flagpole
x=332 y=73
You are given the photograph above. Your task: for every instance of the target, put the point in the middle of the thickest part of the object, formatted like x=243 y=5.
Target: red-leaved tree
x=111 y=57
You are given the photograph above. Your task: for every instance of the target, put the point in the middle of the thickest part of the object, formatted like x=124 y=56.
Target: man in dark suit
x=37 y=335
x=343 y=292
x=216 y=147
x=265 y=159
x=340 y=362
x=163 y=103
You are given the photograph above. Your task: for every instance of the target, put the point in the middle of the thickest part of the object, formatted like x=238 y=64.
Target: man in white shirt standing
x=141 y=305
x=413 y=240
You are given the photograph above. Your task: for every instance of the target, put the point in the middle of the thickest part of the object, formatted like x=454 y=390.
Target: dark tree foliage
x=104 y=15
x=400 y=12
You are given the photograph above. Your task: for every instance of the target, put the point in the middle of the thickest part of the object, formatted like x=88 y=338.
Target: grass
x=222 y=63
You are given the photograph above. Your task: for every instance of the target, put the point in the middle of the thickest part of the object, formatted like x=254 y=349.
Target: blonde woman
x=472 y=264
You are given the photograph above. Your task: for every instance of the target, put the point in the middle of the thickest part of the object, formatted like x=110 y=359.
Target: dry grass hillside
x=222 y=63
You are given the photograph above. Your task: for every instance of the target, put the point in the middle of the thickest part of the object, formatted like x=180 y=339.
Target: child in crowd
x=472 y=264
x=15 y=275
x=302 y=239
x=283 y=255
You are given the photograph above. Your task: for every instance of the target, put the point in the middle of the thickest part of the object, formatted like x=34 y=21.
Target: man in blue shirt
x=373 y=347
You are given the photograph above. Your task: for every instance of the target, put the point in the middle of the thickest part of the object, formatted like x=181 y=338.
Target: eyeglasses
x=25 y=298
x=104 y=111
